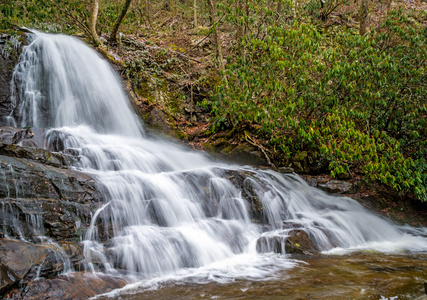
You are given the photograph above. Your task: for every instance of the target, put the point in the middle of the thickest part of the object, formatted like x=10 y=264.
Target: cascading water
x=169 y=210
x=51 y=89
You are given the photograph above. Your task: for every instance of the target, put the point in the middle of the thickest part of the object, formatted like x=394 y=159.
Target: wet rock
x=29 y=143
x=336 y=187
x=41 y=155
x=9 y=54
x=246 y=154
x=249 y=186
x=71 y=286
x=24 y=261
x=29 y=179
x=312 y=181
x=274 y=244
x=32 y=218
x=291 y=225
x=12 y=135
x=285 y=170
x=298 y=242
x=74 y=251
x=37 y=199
x=158 y=119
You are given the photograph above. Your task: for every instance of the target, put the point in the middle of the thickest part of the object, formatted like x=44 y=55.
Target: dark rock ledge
x=45 y=209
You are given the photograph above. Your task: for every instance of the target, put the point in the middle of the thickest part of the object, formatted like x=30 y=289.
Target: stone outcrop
x=10 y=48
x=35 y=184
x=45 y=209
x=21 y=262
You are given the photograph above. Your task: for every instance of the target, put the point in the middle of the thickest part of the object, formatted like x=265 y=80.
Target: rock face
x=16 y=261
x=58 y=201
x=10 y=48
x=24 y=261
x=45 y=209
x=36 y=185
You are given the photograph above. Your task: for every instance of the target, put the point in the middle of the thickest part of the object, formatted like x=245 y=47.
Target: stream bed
x=352 y=276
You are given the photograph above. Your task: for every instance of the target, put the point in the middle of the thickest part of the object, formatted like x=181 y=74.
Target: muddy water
x=356 y=276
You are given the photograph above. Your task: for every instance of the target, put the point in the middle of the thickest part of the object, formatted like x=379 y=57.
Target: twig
x=261 y=148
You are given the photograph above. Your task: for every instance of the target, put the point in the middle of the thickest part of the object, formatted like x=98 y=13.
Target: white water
x=171 y=213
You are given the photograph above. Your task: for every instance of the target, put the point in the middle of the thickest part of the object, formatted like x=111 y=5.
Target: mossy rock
x=298 y=242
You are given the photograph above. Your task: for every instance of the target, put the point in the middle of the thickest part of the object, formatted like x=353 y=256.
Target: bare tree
x=113 y=36
x=195 y=13
x=363 y=16
x=239 y=32
x=93 y=19
x=218 y=50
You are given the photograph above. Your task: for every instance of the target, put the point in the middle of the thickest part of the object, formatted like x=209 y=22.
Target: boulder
x=247 y=154
x=273 y=244
x=298 y=242
x=29 y=143
x=33 y=218
x=71 y=286
x=24 y=261
x=29 y=179
x=336 y=187
x=250 y=185
x=286 y=170
x=13 y=135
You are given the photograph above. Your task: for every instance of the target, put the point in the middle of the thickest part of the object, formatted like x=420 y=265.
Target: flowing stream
x=171 y=213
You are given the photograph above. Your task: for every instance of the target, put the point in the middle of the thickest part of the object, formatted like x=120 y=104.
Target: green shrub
x=359 y=101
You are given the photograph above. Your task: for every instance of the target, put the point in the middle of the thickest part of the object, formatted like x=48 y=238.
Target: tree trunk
x=195 y=13
x=239 y=32
x=218 y=51
x=93 y=19
x=113 y=36
x=363 y=16
x=147 y=12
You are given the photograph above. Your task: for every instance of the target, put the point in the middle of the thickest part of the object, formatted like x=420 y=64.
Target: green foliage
x=67 y=16
x=359 y=101
x=146 y=63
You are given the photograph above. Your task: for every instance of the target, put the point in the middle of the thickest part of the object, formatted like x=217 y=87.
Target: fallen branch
x=261 y=148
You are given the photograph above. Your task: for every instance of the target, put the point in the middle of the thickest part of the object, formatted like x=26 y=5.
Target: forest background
x=331 y=87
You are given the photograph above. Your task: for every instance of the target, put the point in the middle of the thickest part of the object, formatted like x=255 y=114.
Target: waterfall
x=61 y=82
x=171 y=210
